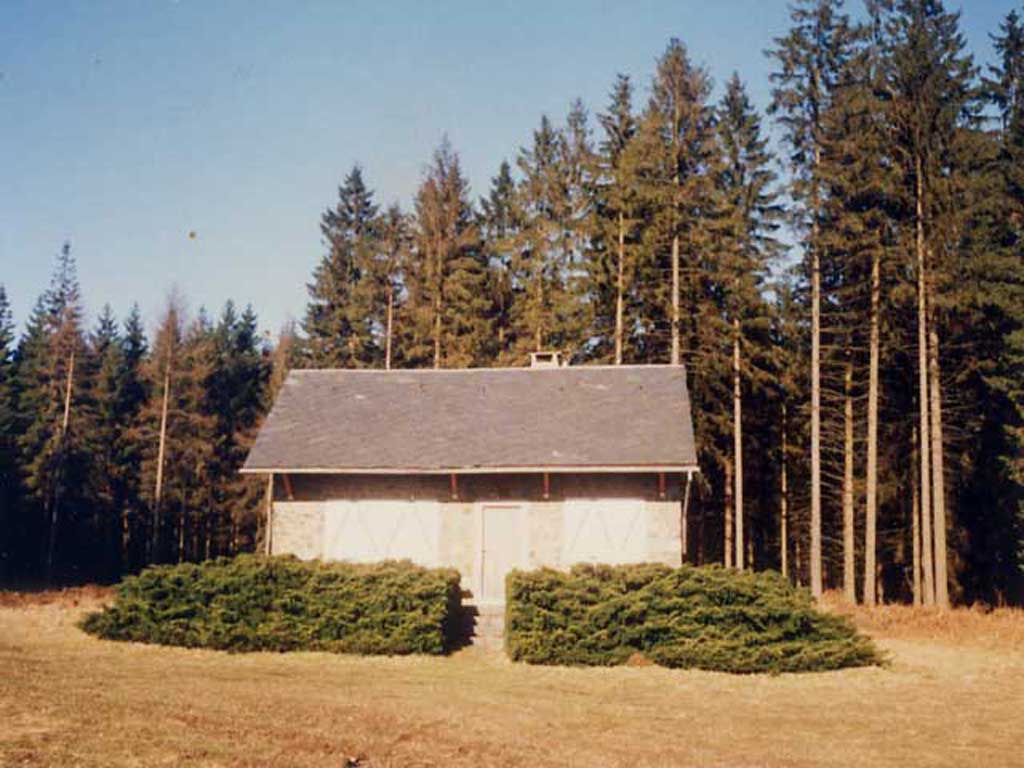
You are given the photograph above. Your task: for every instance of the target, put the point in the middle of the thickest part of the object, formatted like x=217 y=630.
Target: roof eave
x=482 y=470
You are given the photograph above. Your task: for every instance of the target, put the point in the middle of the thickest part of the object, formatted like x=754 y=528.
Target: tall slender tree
x=810 y=60
x=749 y=212
x=337 y=323
x=449 y=314
x=10 y=480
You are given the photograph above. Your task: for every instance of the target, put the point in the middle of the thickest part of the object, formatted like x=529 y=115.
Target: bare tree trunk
x=437 y=310
x=51 y=543
x=815 y=553
x=849 y=543
x=922 y=362
x=871 y=480
x=619 y=288
x=161 y=451
x=728 y=514
x=737 y=436
x=388 y=328
x=938 y=477
x=437 y=332
x=784 y=505
x=915 y=525
x=676 y=357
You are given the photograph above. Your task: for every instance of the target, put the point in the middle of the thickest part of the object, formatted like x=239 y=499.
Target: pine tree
x=810 y=60
x=160 y=373
x=132 y=395
x=337 y=324
x=384 y=277
x=54 y=421
x=857 y=174
x=500 y=227
x=448 y=311
x=10 y=480
x=613 y=265
x=930 y=86
x=543 y=313
x=110 y=494
x=749 y=214
x=679 y=187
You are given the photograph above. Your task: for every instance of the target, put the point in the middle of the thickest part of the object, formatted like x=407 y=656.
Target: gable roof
x=585 y=418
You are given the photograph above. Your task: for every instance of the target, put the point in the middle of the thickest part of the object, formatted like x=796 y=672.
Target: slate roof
x=480 y=419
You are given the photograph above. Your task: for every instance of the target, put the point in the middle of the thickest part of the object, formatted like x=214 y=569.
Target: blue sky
x=126 y=125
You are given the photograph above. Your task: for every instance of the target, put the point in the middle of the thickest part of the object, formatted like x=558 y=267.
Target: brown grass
x=996 y=629
x=69 y=699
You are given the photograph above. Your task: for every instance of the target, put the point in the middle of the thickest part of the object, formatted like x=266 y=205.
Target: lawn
x=952 y=695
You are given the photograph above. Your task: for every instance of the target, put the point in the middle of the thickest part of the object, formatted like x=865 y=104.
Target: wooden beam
x=453 y=481
x=288 y=487
x=547 y=486
x=661 y=485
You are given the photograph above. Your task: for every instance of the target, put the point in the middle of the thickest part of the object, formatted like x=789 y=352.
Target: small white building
x=484 y=470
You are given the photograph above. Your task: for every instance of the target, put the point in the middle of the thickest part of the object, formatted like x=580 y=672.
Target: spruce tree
x=337 y=325
x=448 y=312
x=543 y=312
x=858 y=175
x=10 y=479
x=749 y=213
x=679 y=185
x=500 y=227
x=54 y=416
x=613 y=263
x=810 y=59
x=931 y=90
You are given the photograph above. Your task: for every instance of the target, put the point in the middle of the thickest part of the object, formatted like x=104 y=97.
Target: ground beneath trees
x=952 y=696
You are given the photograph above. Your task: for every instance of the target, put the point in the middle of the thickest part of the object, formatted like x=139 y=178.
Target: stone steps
x=488 y=625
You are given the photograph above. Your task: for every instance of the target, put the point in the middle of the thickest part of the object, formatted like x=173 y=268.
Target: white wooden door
x=374 y=530
x=612 y=531
x=502 y=548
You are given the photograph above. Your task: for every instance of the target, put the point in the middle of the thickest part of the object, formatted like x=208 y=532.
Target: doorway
x=503 y=547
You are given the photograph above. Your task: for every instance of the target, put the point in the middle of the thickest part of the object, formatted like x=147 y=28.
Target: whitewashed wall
x=596 y=519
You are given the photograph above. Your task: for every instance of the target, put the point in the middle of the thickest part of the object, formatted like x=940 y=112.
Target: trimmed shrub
x=252 y=603
x=704 y=618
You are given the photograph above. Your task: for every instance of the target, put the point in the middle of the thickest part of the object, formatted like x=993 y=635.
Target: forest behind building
x=843 y=278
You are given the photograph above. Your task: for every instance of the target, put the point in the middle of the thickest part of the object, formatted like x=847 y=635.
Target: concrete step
x=488 y=625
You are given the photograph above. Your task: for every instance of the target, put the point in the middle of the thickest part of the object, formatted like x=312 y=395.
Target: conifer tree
x=930 y=84
x=749 y=212
x=385 y=276
x=810 y=60
x=52 y=384
x=617 y=212
x=679 y=186
x=339 y=331
x=448 y=309
x=543 y=310
x=10 y=480
x=110 y=496
x=500 y=227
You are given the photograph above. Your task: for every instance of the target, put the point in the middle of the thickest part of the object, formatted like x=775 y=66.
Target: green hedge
x=252 y=603
x=705 y=618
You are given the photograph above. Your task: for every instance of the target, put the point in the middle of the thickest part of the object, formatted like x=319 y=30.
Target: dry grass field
x=952 y=695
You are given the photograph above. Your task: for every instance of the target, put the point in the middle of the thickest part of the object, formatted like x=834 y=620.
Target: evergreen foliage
x=693 y=617
x=252 y=603
x=652 y=241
